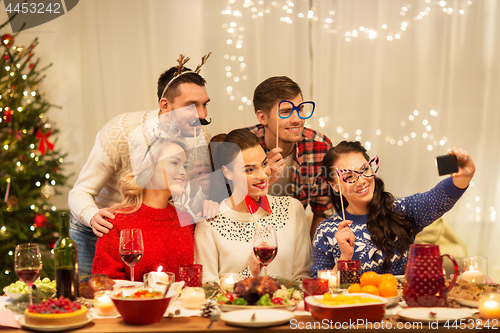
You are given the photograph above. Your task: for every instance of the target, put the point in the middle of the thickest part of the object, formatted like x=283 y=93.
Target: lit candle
x=330 y=276
x=472 y=276
x=489 y=306
x=104 y=305
x=193 y=297
x=228 y=280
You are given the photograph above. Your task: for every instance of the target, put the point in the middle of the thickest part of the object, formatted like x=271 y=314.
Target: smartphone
x=447 y=164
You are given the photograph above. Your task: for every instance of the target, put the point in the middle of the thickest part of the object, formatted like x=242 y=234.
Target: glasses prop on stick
x=340 y=193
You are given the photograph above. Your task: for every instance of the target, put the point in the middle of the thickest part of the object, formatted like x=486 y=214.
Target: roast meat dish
x=89 y=285
x=252 y=288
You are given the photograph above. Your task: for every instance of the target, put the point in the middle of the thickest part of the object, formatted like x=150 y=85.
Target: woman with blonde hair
x=149 y=194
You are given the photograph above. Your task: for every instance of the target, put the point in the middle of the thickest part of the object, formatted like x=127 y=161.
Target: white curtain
x=409 y=79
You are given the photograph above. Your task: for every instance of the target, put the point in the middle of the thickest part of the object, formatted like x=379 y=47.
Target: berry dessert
x=55 y=312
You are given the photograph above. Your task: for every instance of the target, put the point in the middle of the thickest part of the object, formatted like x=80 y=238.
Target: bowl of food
x=347 y=308
x=18 y=289
x=13 y=294
x=141 y=307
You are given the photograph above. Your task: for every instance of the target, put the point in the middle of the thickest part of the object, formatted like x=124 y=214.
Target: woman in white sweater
x=225 y=245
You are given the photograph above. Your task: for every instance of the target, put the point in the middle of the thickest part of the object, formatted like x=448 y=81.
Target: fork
x=214 y=316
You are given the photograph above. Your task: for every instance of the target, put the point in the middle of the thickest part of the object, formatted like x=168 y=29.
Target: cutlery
x=214 y=316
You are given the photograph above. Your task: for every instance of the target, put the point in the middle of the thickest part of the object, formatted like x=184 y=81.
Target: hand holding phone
x=447 y=164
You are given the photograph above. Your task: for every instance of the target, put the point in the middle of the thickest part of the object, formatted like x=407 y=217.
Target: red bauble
x=6 y=57
x=7 y=40
x=40 y=220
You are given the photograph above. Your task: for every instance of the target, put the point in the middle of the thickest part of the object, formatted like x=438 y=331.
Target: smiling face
x=188 y=94
x=170 y=171
x=290 y=129
x=250 y=174
x=360 y=193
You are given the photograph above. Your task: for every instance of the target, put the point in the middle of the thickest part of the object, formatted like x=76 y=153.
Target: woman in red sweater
x=167 y=230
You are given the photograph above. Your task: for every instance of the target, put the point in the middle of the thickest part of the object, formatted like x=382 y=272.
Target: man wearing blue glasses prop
x=296 y=162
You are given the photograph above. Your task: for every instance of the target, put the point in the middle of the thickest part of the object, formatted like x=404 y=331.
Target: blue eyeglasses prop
x=304 y=110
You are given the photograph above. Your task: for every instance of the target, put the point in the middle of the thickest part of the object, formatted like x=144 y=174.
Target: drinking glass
x=314 y=286
x=192 y=275
x=28 y=264
x=265 y=245
x=131 y=248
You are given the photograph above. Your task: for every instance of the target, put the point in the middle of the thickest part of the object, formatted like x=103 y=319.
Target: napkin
x=7 y=319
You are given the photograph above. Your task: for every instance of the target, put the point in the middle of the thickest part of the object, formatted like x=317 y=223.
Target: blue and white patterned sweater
x=421 y=208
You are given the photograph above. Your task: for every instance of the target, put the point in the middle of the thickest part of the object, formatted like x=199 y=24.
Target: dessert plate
x=441 y=315
x=55 y=328
x=257 y=317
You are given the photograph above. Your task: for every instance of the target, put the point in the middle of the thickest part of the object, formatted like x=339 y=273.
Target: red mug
x=425 y=277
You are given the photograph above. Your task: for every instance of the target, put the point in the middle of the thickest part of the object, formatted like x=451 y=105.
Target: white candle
x=330 y=276
x=193 y=297
x=489 y=306
x=104 y=305
x=472 y=276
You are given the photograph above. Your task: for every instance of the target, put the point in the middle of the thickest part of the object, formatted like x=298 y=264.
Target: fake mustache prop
x=202 y=122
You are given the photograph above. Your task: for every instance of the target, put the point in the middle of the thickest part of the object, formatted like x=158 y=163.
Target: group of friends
x=161 y=172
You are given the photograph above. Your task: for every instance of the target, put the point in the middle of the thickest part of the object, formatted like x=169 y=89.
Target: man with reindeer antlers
x=96 y=188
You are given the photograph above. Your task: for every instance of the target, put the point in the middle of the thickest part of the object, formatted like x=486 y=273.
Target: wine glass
x=28 y=264
x=265 y=245
x=131 y=248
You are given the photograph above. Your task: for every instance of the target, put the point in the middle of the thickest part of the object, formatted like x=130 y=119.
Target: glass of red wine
x=265 y=245
x=28 y=264
x=131 y=248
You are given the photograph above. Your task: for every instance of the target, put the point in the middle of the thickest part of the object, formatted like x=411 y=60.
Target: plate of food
x=261 y=292
x=468 y=293
x=55 y=328
x=257 y=317
x=18 y=289
x=392 y=301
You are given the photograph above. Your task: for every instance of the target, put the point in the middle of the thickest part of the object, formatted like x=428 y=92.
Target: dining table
x=192 y=322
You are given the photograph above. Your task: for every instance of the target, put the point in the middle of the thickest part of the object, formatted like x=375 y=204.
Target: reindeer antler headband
x=182 y=61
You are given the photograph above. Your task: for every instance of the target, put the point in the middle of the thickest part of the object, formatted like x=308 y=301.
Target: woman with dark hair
x=225 y=245
x=151 y=188
x=378 y=229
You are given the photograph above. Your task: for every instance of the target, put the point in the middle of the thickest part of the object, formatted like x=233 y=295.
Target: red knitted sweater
x=166 y=243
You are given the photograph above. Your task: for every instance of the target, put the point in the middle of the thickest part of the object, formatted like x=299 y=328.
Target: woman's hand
x=255 y=265
x=99 y=225
x=345 y=237
x=466 y=167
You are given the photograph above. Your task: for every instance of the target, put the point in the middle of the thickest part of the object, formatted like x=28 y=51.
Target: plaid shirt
x=307 y=185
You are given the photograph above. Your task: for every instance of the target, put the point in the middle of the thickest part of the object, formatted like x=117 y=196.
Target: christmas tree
x=30 y=167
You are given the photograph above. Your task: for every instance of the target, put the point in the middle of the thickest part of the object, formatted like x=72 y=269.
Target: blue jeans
x=85 y=239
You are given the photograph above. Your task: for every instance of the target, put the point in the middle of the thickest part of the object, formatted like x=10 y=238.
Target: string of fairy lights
x=236 y=67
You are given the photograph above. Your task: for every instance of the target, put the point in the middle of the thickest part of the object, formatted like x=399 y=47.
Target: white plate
x=12 y=295
x=263 y=317
x=391 y=301
x=127 y=284
x=441 y=314
x=55 y=328
x=465 y=302
x=230 y=307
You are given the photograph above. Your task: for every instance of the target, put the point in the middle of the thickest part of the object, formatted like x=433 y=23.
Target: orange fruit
x=370 y=279
x=369 y=289
x=389 y=277
x=354 y=288
x=387 y=289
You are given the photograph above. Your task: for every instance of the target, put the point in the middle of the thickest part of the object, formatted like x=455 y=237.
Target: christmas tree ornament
x=40 y=220
x=44 y=143
x=48 y=190
x=12 y=201
x=7 y=40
